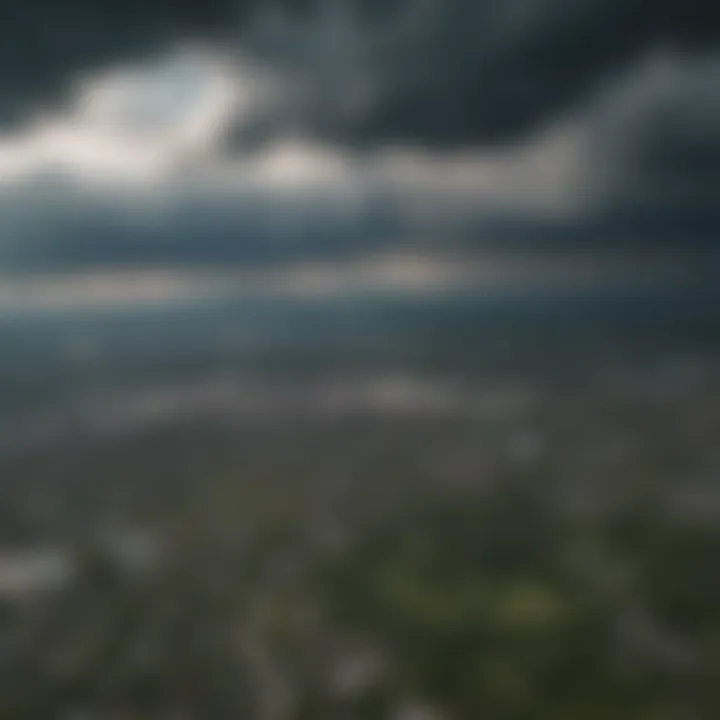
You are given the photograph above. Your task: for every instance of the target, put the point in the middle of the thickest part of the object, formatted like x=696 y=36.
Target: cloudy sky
x=169 y=137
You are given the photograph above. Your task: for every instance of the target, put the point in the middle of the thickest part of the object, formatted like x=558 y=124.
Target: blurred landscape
x=360 y=360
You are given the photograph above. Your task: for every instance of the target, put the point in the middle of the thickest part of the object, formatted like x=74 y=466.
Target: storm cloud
x=427 y=71
x=295 y=131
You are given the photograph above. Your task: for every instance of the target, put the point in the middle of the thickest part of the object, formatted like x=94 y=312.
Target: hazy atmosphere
x=359 y=359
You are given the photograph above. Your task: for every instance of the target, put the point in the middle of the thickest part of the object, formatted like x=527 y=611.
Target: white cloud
x=134 y=122
x=164 y=121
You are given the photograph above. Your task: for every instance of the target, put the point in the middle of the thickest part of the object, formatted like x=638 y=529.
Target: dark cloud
x=422 y=72
x=657 y=149
x=673 y=145
x=429 y=71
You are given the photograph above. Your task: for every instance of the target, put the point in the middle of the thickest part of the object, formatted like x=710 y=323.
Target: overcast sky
x=191 y=134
